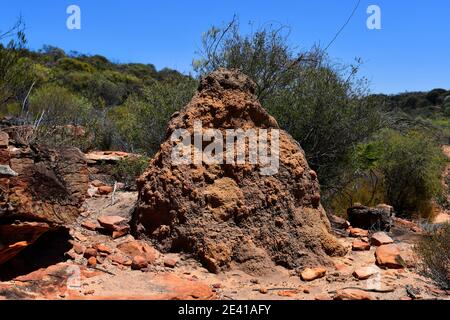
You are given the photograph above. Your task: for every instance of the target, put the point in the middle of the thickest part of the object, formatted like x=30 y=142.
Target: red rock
x=115 y=224
x=17 y=236
x=380 y=238
x=120 y=259
x=89 y=225
x=388 y=256
x=170 y=262
x=92 y=262
x=323 y=297
x=108 y=156
x=312 y=274
x=123 y=231
x=42 y=184
x=288 y=293
x=352 y=294
x=103 y=248
x=105 y=190
x=90 y=252
x=167 y=286
x=357 y=232
x=263 y=290
x=71 y=255
x=139 y=248
x=365 y=272
x=78 y=248
x=341 y=267
x=112 y=222
x=48 y=283
x=138 y=263
x=358 y=245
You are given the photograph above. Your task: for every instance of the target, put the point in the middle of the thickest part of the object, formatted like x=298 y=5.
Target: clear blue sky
x=411 y=52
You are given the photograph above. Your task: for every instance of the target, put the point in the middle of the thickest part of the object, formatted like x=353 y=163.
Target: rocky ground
x=97 y=266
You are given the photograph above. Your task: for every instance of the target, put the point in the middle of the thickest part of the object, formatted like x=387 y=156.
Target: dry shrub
x=434 y=251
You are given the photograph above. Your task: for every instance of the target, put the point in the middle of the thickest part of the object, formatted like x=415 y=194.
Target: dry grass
x=434 y=251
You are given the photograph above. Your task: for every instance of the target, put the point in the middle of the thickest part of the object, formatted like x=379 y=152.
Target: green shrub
x=319 y=102
x=434 y=251
x=412 y=165
x=62 y=117
x=58 y=106
x=142 y=121
x=129 y=169
x=69 y=65
x=408 y=168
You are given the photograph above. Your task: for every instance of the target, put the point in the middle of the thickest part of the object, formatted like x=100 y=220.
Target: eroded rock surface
x=226 y=213
x=41 y=189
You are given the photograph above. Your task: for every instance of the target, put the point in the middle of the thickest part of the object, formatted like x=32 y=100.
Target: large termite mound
x=229 y=213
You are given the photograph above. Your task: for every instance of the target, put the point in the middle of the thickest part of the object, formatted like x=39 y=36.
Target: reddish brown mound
x=232 y=213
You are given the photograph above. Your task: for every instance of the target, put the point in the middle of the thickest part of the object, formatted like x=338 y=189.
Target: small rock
x=170 y=262
x=312 y=274
x=89 y=292
x=288 y=293
x=78 y=248
x=341 y=267
x=121 y=232
x=365 y=272
x=323 y=297
x=388 y=256
x=105 y=190
x=90 y=225
x=120 y=259
x=357 y=232
x=380 y=238
x=352 y=294
x=138 y=263
x=263 y=290
x=71 y=255
x=359 y=245
x=6 y=170
x=139 y=248
x=115 y=224
x=90 y=252
x=92 y=262
x=112 y=223
x=103 y=248
x=217 y=285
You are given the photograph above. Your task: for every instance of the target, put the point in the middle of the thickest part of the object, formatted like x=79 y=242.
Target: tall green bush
x=408 y=167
